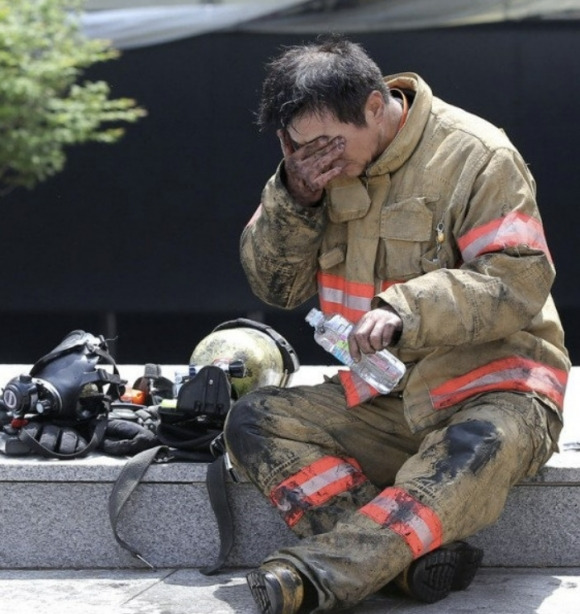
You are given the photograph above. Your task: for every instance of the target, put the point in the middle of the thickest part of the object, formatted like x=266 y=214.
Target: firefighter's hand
x=374 y=331
x=310 y=167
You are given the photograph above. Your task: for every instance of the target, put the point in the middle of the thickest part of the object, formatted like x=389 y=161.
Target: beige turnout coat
x=444 y=227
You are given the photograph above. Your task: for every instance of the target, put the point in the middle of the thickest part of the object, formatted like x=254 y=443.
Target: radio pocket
x=406 y=234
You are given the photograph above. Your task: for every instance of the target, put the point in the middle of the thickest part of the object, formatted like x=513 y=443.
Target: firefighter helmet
x=266 y=356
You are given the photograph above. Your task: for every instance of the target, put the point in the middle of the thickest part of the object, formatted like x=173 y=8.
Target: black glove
x=125 y=437
x=60 y=439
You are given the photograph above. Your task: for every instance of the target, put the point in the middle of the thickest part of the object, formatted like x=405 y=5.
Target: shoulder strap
x=131 y=476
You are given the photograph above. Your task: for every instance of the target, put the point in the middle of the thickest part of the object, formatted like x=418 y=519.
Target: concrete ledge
x=65 y=523
x=55 y=513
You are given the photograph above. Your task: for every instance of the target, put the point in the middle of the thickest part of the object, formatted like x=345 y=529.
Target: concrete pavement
x=186 y=591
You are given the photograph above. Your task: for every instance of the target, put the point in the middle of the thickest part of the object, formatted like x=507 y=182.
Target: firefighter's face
x=363 y=144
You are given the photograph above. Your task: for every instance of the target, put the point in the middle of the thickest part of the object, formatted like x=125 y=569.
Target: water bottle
x=381 y=370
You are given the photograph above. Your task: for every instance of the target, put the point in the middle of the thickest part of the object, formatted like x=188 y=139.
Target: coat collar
x=348 y=198
x=403 y=145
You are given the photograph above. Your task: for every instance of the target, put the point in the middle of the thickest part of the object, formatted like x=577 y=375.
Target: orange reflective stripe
x=348 y=298
x=510 y=231
x=417 y=524
x=351 y=299
x=357 y=391
x=314 y=485
x=513 y=373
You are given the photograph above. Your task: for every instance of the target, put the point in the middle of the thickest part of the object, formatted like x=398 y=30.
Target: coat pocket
x=332 y=257
x=347 y=200
x=406 y=235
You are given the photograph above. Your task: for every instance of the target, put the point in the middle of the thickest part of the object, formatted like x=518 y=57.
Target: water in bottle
x=381 y=370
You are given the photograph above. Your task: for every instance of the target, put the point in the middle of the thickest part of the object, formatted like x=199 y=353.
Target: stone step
x=55 y=513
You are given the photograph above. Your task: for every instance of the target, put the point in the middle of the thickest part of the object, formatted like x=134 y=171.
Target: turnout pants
x=365 y=494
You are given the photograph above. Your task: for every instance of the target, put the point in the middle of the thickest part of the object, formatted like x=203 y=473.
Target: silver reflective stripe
x=416 y=523
x=515 y=375
x=332 y=295
x=318 y=482
x=511 y=232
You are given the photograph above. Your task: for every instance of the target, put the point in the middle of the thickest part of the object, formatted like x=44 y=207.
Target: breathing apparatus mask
x=67 y=387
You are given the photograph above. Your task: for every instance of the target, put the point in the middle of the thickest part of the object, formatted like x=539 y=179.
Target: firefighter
x=417 y=221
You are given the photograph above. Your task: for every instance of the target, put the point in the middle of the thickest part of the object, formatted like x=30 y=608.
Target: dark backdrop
x=140 y=239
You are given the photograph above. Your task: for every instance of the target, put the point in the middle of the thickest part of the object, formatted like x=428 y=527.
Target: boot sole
x=276 y=594
x=261 y=592
x=436 y=574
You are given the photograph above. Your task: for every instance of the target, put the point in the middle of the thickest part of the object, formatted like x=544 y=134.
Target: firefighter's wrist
x=399 y=330
x=310 y=202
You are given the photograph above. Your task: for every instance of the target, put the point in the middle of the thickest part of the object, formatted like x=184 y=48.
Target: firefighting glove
x=124 y=437
x=59 y=439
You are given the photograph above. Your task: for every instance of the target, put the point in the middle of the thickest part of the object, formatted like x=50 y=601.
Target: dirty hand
x=310 y=167
x=374 y=331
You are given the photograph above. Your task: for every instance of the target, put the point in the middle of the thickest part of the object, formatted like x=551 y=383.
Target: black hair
x=332 y=75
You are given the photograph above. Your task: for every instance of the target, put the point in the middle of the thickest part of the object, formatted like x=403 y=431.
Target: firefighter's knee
x=243 y=424
x=471 y=445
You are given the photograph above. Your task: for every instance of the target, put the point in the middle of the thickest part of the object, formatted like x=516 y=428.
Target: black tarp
x=141 y=238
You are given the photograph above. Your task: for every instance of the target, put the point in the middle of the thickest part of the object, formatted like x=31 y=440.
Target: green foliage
x=43 y=108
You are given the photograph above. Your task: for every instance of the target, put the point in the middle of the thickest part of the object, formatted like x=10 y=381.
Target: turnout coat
x=444 y=227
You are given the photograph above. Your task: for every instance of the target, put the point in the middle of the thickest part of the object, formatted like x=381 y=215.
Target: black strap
x=35 y=446
x=215 y=482
x=132 y=474
x=75 y=341
x=129 y=478
x=196 y=440
x=89 y=345
x=289 y=356
x=72 y=342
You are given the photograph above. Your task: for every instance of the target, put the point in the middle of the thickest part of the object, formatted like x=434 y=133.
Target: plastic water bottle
x=381 y=370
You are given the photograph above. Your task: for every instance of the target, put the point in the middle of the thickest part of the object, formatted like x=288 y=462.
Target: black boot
x=433 y=576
